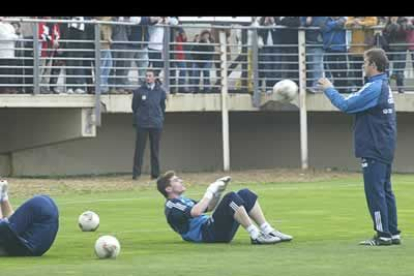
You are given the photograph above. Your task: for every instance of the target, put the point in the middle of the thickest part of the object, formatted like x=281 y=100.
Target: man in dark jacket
x=148 y=106
x=374 y=141
x=288 y=38
x=395 y=31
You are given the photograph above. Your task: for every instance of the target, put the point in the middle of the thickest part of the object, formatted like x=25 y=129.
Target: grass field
x=326 y=217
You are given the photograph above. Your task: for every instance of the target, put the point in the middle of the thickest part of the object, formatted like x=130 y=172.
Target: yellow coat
x=361 y=35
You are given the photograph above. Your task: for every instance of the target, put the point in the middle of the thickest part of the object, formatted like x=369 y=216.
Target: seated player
x=31 y=229
x=187 y=217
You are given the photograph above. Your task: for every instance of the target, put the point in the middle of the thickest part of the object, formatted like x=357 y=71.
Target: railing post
x=224 y=98
x=97 y=74
x=302 y=100
x=255 y=68
x=36 y=61
x=166 y=57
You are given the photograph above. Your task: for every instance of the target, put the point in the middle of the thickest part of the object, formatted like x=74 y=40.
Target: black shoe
x=134 y=177
x=154 y=177
x=377 y=241
x=401 y=91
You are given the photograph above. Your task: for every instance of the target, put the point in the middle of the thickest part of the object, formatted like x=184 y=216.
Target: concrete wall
x=192 y=142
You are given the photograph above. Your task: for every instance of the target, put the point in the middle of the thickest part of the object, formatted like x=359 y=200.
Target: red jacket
x=179 y=47
x=48 y=33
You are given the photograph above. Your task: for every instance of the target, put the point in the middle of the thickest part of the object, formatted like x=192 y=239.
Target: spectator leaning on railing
x=288 y=39
x=179 y=55
x=119 y=74
x=314 y=50
x=106 y=56
x=7 y=56
x=49 y=36
x=267 y=50
x=361 y=34
x=156 y=45
x=140 y=36
x=334 y=45
x=75 y=73
x=203 y=61
x=395 y=31
x=410 y=37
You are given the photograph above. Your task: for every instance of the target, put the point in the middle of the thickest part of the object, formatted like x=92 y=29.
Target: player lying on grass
x=31 y=229
x=187 y=217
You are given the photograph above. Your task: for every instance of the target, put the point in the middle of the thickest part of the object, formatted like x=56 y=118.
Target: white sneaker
x=265 y=239
x=280 y=235
x=69 y=91
x=79 y=91
x=3 y=189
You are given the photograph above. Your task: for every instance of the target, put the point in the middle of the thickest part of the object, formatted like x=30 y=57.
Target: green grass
x=327 y=220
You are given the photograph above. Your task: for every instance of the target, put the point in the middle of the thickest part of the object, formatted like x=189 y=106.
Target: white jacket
x=156 y=34
x=7 y=40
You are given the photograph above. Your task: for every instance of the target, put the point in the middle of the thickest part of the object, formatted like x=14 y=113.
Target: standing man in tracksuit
x=374 y=141
x=148 y=106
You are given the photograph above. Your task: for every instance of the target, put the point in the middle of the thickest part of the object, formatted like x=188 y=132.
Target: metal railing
x=84 y=63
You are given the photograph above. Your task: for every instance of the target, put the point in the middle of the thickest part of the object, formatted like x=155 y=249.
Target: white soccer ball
x=286 y=90
x=107 y=247
x=88 y=221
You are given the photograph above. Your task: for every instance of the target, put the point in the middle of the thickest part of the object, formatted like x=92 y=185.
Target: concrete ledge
x=182 y=102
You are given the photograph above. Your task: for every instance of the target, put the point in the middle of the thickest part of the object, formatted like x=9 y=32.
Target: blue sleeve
x=366 y=98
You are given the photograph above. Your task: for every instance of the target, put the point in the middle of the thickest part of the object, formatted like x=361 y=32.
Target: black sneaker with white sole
x=377 y=241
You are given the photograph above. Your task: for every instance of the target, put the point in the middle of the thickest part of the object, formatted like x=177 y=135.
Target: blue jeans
x=314 y=55
x=106 y=65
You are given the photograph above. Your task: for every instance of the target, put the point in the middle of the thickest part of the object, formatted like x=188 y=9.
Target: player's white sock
x=266 y=228
x=253 y=231
x=3 y=191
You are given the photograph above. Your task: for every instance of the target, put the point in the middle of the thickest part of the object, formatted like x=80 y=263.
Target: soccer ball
x=107 y=247
x=88 y=221
x=286 y=90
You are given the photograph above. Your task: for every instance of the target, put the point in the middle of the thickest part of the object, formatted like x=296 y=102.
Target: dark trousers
x=268 y=61
x=337 y=68
x=355 y=65
x=140 y=142
x=380 y=198
x=222 y=226
x=398 y=60
x=6 y=81
x=155 y=61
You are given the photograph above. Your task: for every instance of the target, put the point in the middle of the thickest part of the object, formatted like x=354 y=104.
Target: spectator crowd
x=334 y=47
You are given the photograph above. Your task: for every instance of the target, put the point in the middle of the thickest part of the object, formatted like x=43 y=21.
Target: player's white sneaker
x=3 y=189
x=283 y=237
x=265 y=239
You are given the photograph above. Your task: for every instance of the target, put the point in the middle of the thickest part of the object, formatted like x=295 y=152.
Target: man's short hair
x=164 y=182
x=150 y=71
x=379 y=57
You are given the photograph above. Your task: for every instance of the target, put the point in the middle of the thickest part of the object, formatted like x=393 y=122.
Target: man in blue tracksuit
x=148 y=107
x=374 y=141
x=31 y=229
